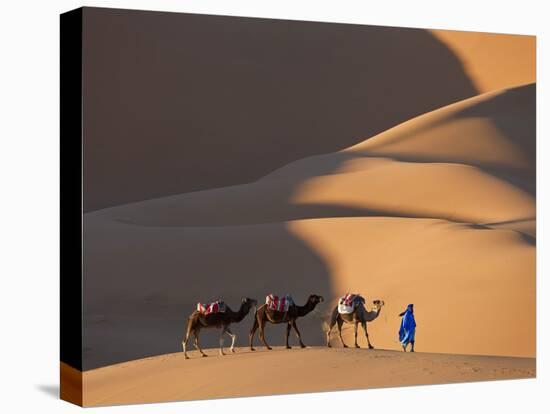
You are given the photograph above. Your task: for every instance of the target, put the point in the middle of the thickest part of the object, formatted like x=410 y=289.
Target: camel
x=263 y=315
x=359 y=316
x=197 y=321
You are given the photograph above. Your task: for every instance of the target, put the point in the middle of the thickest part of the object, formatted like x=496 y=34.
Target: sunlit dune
x=451 y=191
x=460 y=278
x=485 y=57
x=496 y=129
x=170 y=377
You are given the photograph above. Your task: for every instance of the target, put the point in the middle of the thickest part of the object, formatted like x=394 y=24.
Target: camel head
x=315 y=299
x=248 y=303
x=377 y=304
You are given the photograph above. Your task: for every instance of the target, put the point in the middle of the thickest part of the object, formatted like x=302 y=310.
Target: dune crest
x=496 y=129
x=485 y=57
x=170 y=377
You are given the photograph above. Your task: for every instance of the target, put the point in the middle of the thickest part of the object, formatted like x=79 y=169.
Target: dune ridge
x=170 y=377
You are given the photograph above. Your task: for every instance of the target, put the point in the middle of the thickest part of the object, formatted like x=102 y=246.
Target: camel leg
x=340 y=323
x=364 y=324
x=333 y=318
x=186 y=339
x=288 y=326
x=184 y=346
x=356 y=344
x=293 y=322
x=262 y=333
x=252 y=333
x=197 y=346
x=221 y=340
x=184 y=343
x=233 y=338
x=328 y=336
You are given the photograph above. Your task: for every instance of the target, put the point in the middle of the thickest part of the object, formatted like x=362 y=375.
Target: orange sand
x=170 y=377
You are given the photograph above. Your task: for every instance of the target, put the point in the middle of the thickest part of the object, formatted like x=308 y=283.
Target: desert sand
x=438 y=211
x=396 y=217
x=280 y=371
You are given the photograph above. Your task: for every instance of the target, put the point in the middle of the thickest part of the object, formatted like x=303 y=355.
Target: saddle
x=278 y=303
x=214 y=307
x=347 y=303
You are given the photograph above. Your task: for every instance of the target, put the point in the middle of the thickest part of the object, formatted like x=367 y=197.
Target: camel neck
x=374 y=313
x=305 y=309
x=241 y=313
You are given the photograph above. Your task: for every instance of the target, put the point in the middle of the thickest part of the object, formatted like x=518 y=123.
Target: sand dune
x=452 y=191
x=233 y=98
x=496 y=129
x=439 y=211
x=170 y=377
x=487 y=57
x=462 y=279
x=472 y=161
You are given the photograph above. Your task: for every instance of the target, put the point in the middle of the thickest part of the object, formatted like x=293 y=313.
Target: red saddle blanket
x=278 y=303
x=348 y=299
x=346 y=304
x=214 y=307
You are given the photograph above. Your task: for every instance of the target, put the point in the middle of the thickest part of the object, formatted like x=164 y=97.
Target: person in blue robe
x=407 y=328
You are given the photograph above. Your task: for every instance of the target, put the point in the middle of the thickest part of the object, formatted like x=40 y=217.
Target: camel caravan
x=277 y=310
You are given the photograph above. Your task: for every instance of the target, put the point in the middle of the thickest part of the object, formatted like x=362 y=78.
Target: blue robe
x=408 y=326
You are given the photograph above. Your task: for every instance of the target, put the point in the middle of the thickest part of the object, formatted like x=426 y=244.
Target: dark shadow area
x=514 y=114
x=142 y=283
x=520 y=220
x=299 y=212
x=527 y=238
x=532 y=240
x=51 y=390
x=180 y=102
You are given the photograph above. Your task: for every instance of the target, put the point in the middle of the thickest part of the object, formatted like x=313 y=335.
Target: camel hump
x=278 y=303
x=348 y=302
x=218 y=306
